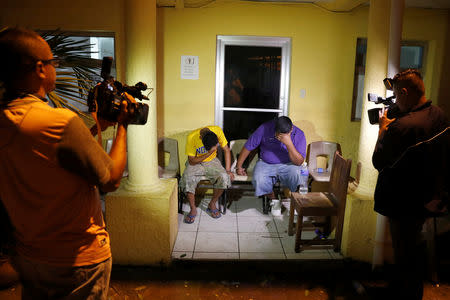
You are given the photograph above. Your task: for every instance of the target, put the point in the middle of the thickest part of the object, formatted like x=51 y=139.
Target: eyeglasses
x=55 y=62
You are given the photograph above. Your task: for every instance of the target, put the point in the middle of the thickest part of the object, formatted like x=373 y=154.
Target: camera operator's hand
x=126 y=110
x=384 y=121
x=100 y=122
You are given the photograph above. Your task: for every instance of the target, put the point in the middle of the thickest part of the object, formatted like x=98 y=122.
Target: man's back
x=54 y=211
x=407 y=130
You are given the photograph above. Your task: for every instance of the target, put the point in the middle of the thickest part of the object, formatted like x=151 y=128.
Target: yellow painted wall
x=80 y=15
x=323 y=57
x=323 y=54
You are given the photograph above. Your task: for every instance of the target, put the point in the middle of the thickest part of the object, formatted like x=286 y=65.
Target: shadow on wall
x=309 y=130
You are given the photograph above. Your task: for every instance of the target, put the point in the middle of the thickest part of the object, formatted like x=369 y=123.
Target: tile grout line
x=237 y=232
x=279 y=237
x=199 y=215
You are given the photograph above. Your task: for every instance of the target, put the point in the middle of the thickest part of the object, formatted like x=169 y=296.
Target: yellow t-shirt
x=194 y=145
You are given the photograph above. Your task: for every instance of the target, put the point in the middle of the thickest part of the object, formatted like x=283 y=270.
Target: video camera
x=387 y=102
x=106 y=97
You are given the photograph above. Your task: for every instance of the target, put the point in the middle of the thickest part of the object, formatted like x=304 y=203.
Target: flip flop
x=189 y=219
x=215 y=213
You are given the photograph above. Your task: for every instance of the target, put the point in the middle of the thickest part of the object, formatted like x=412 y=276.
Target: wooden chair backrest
x=340 y=174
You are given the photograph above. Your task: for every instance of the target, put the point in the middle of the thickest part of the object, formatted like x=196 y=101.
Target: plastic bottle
x=304 y=175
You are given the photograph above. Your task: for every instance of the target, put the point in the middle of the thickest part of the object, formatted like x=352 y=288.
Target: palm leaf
x=77 y=73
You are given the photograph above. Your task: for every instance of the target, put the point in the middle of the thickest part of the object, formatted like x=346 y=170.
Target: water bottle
x=304 y=175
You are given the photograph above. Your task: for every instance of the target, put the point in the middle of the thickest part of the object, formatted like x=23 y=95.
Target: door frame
x=261 y=41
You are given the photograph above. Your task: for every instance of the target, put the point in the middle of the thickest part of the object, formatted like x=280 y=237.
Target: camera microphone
x=377 y=99
x=106 y=67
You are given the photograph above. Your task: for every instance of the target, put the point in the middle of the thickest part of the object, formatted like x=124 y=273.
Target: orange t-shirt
x=50 y=166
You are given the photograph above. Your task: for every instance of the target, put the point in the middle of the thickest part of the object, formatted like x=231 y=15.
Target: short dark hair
x=283 y=125
x=410 y=79
x=17 y=52
x=209 y=140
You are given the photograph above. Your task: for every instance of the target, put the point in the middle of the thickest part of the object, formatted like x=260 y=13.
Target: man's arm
x=383 y=153
x=295 y=156
x=118 y=155
x=227 y=153
x=193 y=160
x=242 y=156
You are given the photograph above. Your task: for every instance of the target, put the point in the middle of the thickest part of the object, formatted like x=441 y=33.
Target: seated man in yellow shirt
x=201 y=148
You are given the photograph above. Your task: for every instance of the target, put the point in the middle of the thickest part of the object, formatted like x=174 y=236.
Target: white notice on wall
x=189 y=67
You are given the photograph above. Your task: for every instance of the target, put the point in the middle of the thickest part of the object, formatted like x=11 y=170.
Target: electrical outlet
x=302 y=93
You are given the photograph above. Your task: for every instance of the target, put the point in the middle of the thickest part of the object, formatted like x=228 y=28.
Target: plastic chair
x=329 y=204
x=318 y=150
x=172 y=169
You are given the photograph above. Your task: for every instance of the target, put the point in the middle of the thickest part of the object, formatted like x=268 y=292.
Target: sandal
x=189 y=219
x=215 y=213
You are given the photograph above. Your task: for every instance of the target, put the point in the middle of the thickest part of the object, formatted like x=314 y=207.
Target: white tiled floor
x=244 y=233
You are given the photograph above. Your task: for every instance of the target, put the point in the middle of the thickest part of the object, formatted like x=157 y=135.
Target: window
x=412 y=55
x=252 y=82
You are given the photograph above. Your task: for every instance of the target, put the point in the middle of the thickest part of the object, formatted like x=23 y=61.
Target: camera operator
x=51 y=168
x=417 y=120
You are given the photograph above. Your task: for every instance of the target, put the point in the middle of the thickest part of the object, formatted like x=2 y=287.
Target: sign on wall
x=189 y=67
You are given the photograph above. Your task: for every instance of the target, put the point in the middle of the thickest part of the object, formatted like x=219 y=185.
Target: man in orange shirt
x=50 y=171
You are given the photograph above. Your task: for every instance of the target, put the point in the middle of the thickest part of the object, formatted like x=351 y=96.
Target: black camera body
x=374 y=112
x=393 y=110
x=106 y=98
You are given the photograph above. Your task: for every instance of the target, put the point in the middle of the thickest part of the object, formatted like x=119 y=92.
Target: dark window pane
x=241 y=124
x=411 y=57
x=252 y=77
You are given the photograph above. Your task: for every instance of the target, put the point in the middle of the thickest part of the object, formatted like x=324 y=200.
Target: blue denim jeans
x=266 y=175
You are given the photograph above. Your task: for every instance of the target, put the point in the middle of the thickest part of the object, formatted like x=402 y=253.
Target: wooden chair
x=329 y=204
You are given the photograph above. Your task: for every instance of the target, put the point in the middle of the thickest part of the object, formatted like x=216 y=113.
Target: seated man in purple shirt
x=282 y=151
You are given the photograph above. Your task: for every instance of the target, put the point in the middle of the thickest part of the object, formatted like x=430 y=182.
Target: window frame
x=357 y=70
x=261 y=41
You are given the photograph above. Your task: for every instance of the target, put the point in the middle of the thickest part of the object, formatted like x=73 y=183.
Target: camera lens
x=374 y=116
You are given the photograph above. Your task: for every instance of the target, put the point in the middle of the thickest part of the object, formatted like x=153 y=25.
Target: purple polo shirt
x=272 y=151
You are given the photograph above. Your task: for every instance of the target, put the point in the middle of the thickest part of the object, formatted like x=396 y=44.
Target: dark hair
x=17 y=51
x=410 y=79
x=209 y=140
x=283 y=125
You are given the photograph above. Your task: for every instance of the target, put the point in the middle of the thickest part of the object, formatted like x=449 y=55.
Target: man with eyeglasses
x=51 y=168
